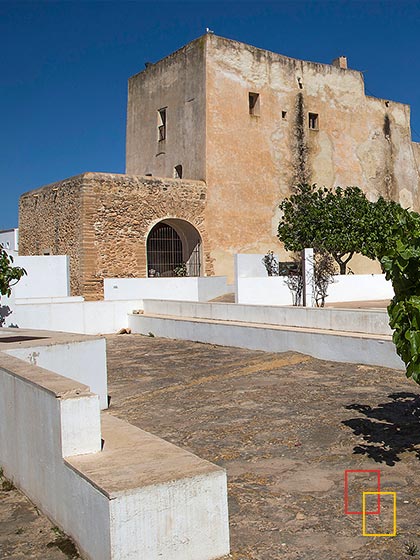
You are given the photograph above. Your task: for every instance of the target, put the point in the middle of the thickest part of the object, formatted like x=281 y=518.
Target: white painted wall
x=266 y=290
x=38 y=425
x=352 y=287
x=50 y=447
x=70 y=315
x=179 y=508
x=369 y=321
x=9 y=240
x=47 y=276
x=250 y=266
x=183 y=288
x=84 y=362
x=359 y=287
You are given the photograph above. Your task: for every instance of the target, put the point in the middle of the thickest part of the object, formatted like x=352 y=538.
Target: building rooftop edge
x=102 y=174
x=283 y=56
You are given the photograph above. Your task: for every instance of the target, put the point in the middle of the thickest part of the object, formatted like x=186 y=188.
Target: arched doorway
x=173 y=249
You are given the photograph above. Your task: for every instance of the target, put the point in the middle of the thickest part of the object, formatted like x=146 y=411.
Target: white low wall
x=183 y=288
x=47 y=276
x=268 y=290
x=250 y=266
x=43 y=418
x=359 y=287
x=73 y=314
x=82 y=361
x=70 y=315
x=368 y=321
x=118 y=503
x=9 y=240
x=326 y=345
x=272 y=290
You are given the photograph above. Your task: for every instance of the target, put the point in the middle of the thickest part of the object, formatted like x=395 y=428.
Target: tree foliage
x=400 y=260
x=9 y=274
x=382 y=230
x=339 y=221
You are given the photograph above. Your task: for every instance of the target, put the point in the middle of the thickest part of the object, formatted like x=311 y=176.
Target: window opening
x=284 y=115
x=170 y=253
x=161 y=125
x=164 y=251
x=254 y=104
x=313 y=121
x=178 y=172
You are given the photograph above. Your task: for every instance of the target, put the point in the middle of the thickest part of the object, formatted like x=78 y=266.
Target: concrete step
x=326 y=344
x=369 y=321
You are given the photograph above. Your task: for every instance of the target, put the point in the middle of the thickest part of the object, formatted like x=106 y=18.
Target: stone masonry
x=102 y=221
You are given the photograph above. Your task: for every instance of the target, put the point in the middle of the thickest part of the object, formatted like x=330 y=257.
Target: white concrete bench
x=139 y=498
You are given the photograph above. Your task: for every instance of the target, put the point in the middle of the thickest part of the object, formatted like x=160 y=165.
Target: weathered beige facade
x=250 y=124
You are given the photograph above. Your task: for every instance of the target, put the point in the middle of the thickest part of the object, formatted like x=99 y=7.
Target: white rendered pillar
x=308 y=277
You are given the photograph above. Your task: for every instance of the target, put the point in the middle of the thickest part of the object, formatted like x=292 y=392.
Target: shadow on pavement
x=389 y=429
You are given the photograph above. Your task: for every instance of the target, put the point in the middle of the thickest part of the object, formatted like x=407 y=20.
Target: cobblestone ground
x=285 y=427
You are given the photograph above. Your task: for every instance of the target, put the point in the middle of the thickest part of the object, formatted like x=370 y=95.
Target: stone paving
x=285 y=427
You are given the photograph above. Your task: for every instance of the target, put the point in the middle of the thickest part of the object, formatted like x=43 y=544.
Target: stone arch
x=174 y=248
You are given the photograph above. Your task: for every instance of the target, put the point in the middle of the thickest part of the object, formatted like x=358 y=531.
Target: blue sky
x=64 y=68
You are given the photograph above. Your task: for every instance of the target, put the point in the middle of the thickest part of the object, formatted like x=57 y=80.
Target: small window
x=313 y=121
x=284 y=115
x=254 y=104
x=161 y=125
x=178 y=172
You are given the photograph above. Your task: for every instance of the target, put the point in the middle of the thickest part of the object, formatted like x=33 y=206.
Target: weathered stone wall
x=113 y=217
x=176 y=83
x=416 y=151
x=50 y=221
x=253 y=161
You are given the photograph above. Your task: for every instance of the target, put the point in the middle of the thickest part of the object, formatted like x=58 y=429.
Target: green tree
x=9 y=275
x=400 y=260
x=383 y=230
x=339 y=221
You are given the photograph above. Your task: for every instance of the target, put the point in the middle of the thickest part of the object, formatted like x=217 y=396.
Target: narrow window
x=254 y=104
x=313 y=121
x=284 y=115
x=161 y=125
x=178 y=172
